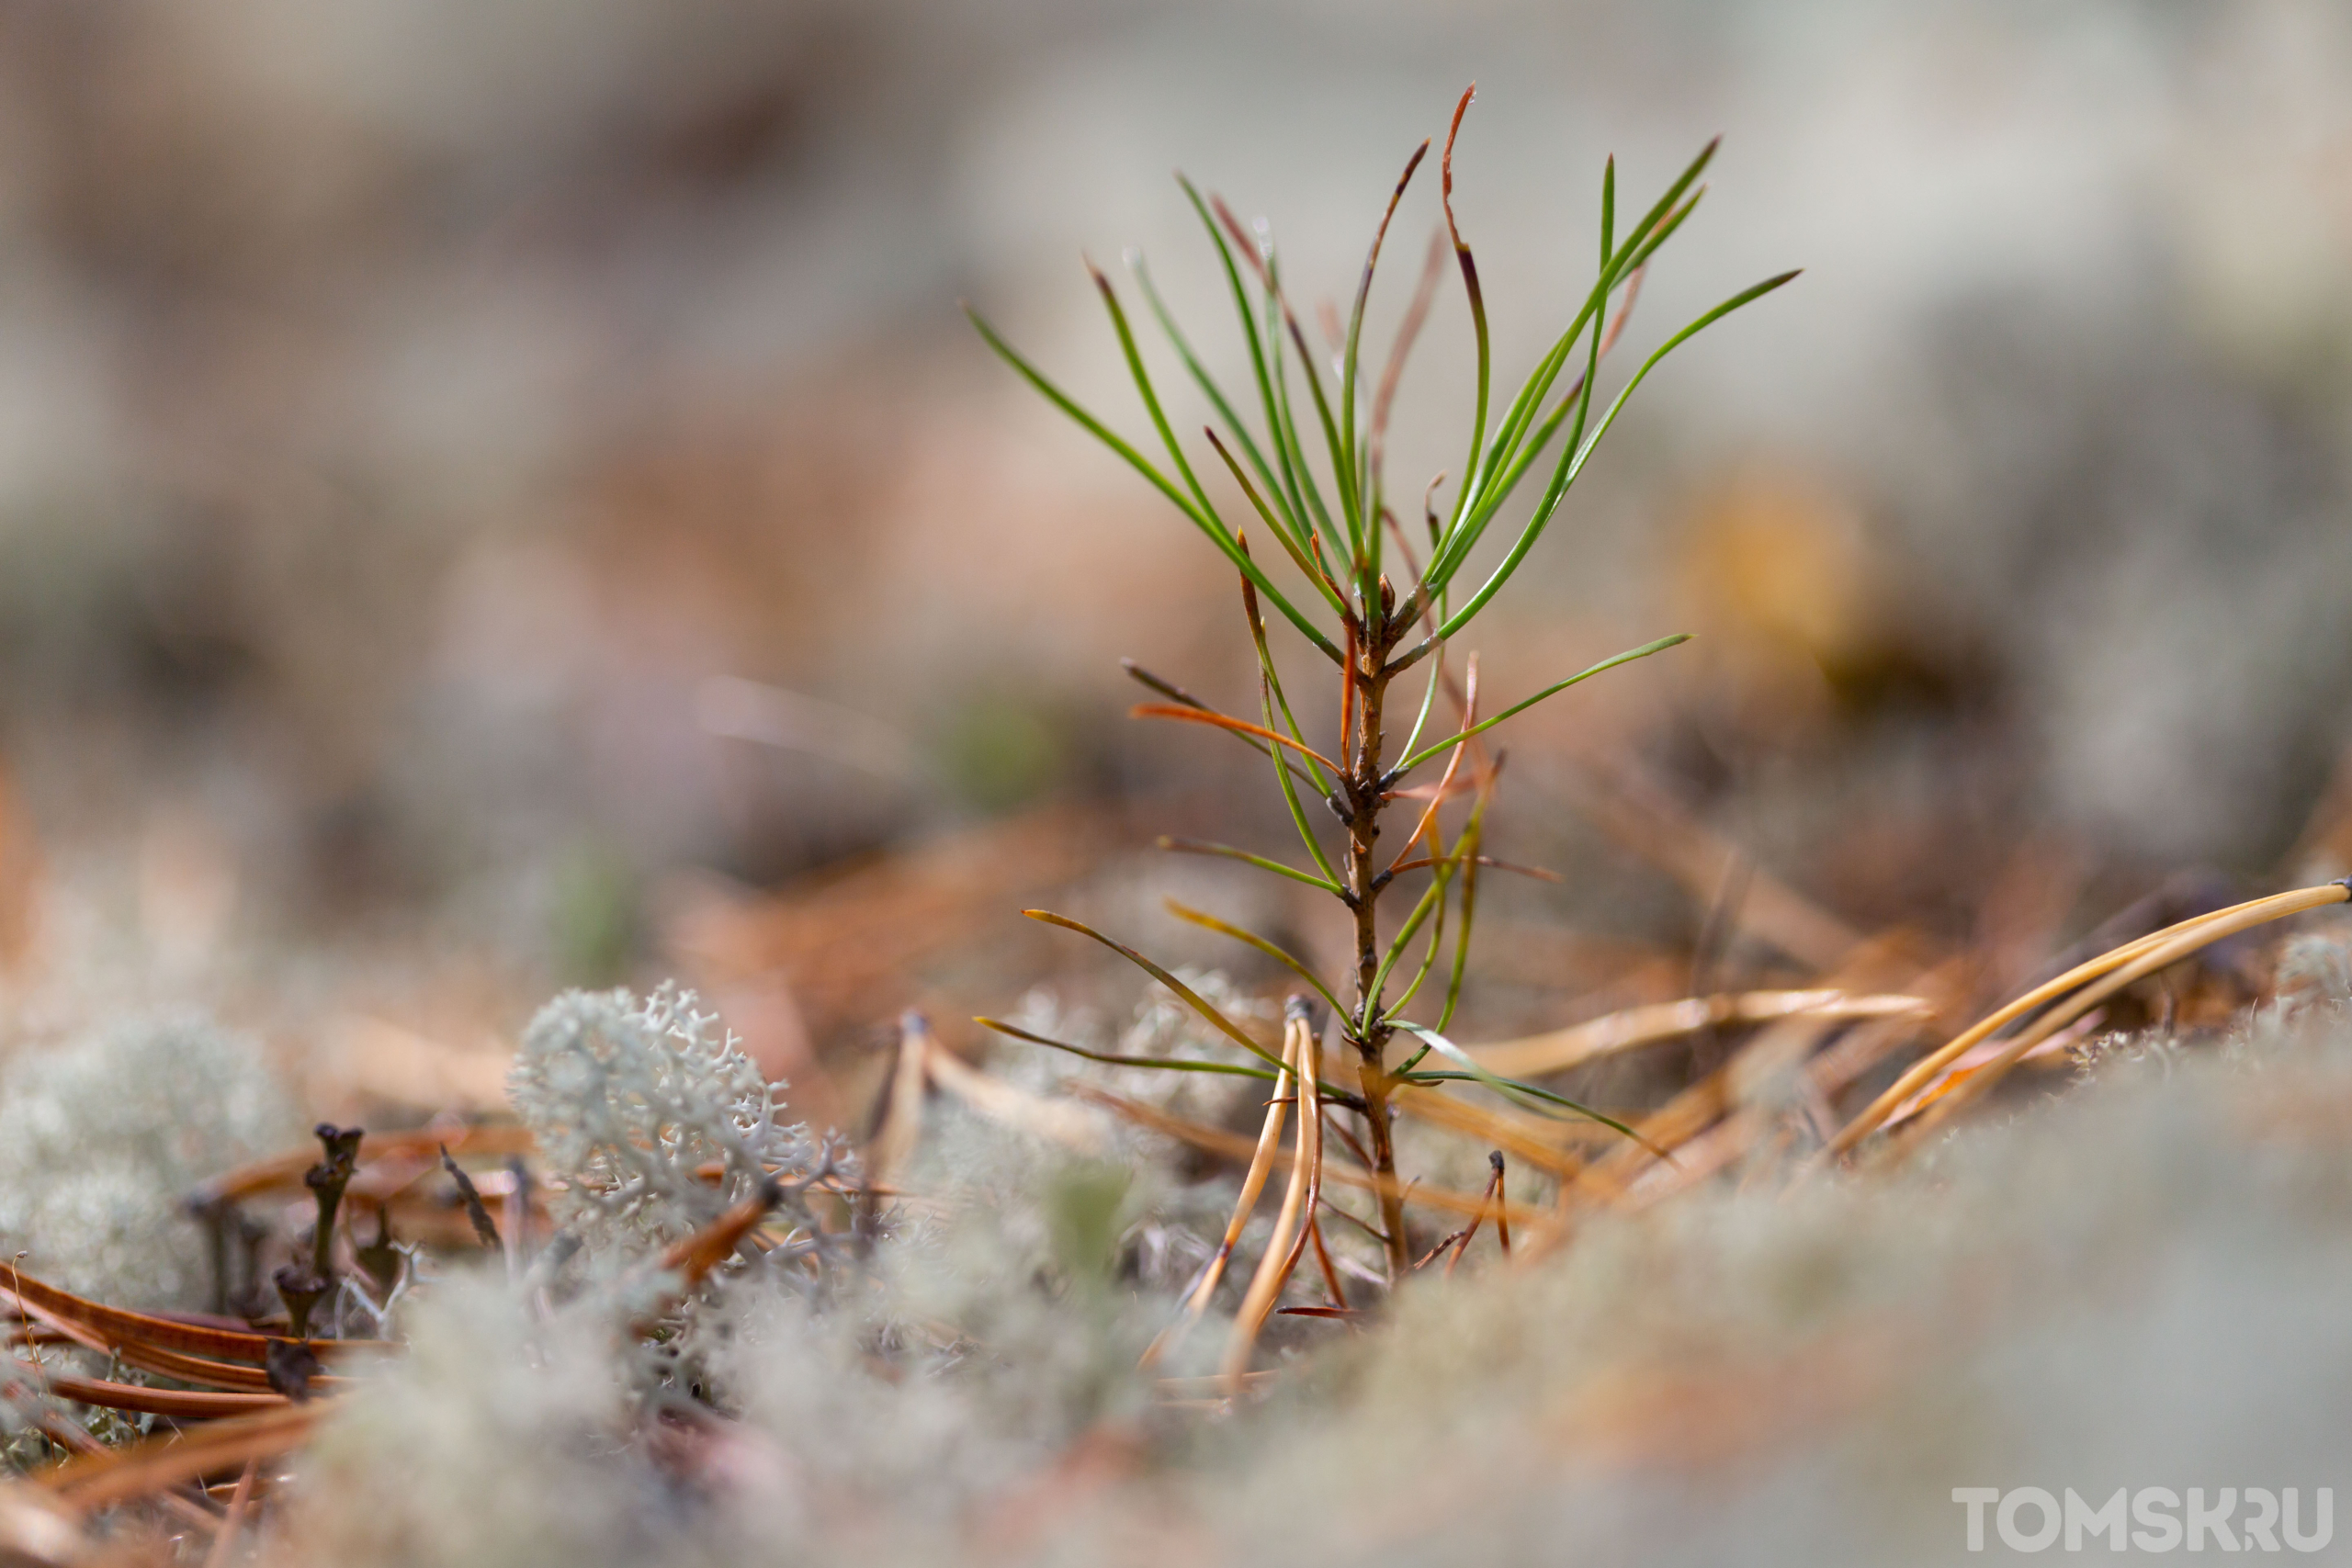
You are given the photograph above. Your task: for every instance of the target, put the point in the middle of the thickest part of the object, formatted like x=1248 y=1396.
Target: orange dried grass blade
x=1253 y=1183
x=1689 y=1123
x=2227 y=923
x=1961 y=1071
x=170 y=1363
x=1502 y=1205
x=229 y=1375
x=1704 y=1145
x=2131 y=961
x=1676 y=1123
x=1283 y=1246
x=1323 y=1261
x=1470 y=1234
x=1430 y=792
x=1942 y=986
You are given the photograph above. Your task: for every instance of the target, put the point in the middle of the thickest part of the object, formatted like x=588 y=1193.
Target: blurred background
x=501 y=496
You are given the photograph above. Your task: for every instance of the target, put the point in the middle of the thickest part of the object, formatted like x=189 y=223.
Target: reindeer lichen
x=652 y=1116
x=100 y=1140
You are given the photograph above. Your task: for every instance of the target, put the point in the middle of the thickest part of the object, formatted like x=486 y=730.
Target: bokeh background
x=493 y=496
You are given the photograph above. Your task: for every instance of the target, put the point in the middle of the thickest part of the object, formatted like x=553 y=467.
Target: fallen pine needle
x=1635 y=1027
x=2176 y=940
x=93 y=1481
x=1053 y=1120
x=1531 y=1139
x=180 y=1404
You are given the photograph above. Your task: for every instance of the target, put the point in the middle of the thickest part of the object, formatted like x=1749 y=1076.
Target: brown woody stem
x=1365 y=693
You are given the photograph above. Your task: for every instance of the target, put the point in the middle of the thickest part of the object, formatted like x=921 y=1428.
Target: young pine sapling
x=1336 y=528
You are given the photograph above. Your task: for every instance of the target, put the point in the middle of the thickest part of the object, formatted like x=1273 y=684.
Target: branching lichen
x=652 y=1116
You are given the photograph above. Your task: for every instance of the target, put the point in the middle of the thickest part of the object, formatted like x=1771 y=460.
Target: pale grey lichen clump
x=501 y=1438
x=633 y=1102
x=2138 y=1284
x=102 y=1139
x=983 y=1331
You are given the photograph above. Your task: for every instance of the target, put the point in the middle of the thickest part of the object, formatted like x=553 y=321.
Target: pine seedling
x=1308 y=457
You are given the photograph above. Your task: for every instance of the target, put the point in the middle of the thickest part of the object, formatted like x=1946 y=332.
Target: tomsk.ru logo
x=2028 y=1519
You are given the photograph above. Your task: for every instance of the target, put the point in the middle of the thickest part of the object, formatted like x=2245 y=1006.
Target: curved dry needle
x=2179 y=940
x=1221 y=721
x=1178 y=695
x=1452 y=765
x=1253 y=1182
x=1284 y=1245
